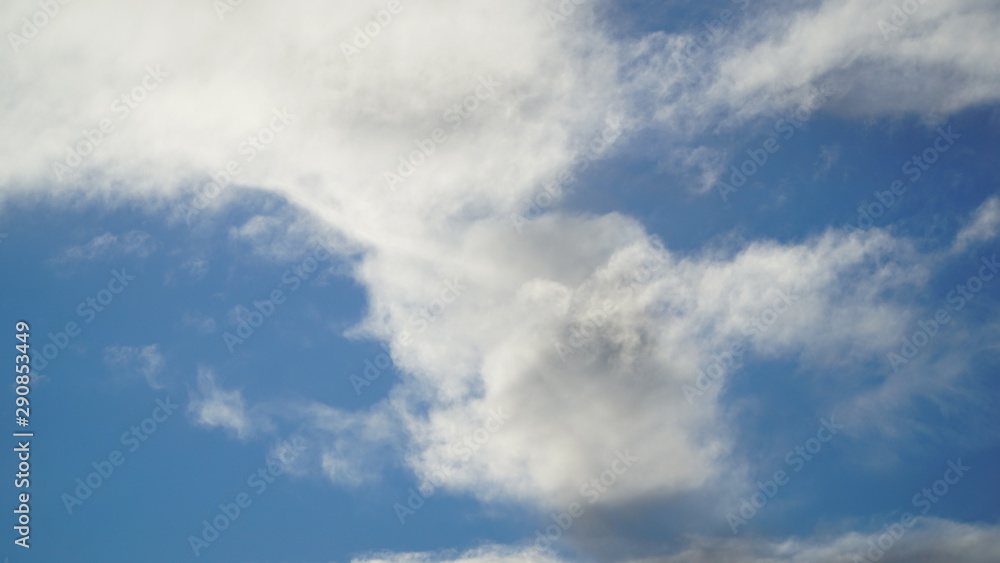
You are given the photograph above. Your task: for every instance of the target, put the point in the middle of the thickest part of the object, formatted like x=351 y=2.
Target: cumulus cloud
x=629 y=325
x=929 y=540
x=416 y=152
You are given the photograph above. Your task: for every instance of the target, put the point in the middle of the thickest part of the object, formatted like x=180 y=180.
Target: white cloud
x=703 y=164
x=984 y=225
x=146 y=361
x=828 y=156
x=201 y=323
x=937 y=63
x=352 y=447
x=195 y=268
x=278 y=233
x=929 y=541
x=108 y=245
x=487 y=554
x=214 y=406
x=494 y=346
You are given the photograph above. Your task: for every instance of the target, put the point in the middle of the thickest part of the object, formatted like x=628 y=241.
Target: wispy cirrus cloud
x=146 y=361
x=984 y=225
x=108 y=245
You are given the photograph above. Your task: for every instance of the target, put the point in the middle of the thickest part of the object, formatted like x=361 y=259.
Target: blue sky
x=612 y=306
